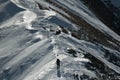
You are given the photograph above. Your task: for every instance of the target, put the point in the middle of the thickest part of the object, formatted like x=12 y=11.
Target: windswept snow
x=49 y=13
x=8 y=10
x=80 y=11
x=28 y=17
x=29 y=46
x=22 y=18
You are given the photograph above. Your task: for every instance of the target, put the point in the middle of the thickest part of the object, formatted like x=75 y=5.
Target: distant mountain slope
x=116 y=3
x=107 y=12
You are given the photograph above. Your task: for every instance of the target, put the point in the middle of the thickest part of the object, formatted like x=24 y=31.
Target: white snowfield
x=29 y=47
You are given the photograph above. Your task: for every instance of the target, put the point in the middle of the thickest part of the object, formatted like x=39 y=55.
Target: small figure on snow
x=58 y=63
x=58 y=68
x=57 y=32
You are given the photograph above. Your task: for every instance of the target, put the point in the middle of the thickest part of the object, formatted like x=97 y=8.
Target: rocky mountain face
x=107 y=12
x=84 y=35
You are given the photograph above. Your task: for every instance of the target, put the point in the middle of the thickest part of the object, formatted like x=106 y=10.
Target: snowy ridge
x=89 y=17
x=30 y=46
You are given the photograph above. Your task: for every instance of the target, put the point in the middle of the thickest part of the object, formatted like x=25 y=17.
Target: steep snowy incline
x=7 y=10
x=80 y=11
x=83 y=19
x=33 y=40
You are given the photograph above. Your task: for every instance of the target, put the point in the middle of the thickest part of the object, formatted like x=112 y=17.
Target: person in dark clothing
x=58 y=62
x=58 y=68
x=57 y=32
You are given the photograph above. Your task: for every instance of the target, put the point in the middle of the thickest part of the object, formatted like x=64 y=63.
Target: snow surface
x=29 y=49
x=5 y=10
x=90 y=19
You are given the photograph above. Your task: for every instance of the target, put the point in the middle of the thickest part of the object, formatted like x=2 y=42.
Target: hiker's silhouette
x=58 y=68
x=57 y=32
x=58 y=62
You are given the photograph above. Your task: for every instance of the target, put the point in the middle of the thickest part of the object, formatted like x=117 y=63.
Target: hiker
x=57 y=32
x=58 y=68
x=58 y=63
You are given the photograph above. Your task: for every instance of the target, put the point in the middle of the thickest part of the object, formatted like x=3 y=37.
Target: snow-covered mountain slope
x=107 y=11
x=7 y=10
x=32 y=40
